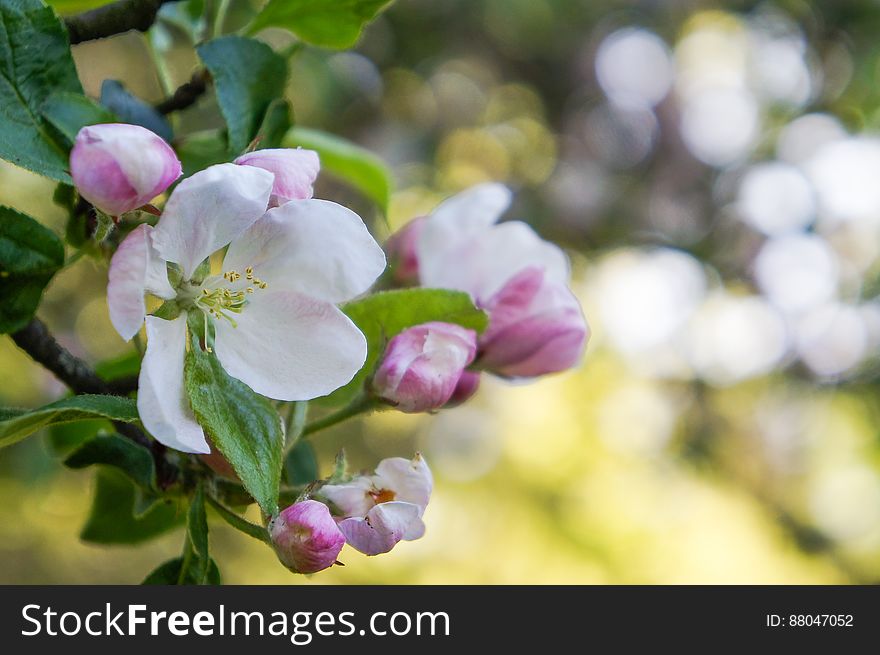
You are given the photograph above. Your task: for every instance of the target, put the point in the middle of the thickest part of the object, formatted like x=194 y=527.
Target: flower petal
x=289 y=346
x=119 y=167
x=162 y=403
x=350 y=498
x=410 y=480
x=485 y=264
x=536 y=327
x=295 y=171
x=383 y=527
x=208 y=210
x=135 y=269
x=314 y=247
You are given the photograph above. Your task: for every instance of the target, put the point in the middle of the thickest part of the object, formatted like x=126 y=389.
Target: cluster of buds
x=372 y=513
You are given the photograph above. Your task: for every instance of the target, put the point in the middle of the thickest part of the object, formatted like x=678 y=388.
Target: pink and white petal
x=162 y=402
x=295 y=171
x=315 y=247
x=134 y=270
x=208 y=210
x=384 y=526
x=459 y=219
x=485 y=264
x=410 y=480
x=289 y=346
x=350 y=498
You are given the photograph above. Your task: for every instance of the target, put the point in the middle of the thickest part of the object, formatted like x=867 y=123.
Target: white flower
x=377 y=511
x=272 y=311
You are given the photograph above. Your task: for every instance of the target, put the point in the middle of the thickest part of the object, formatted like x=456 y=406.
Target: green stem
x=360 y=405
x=296 y=424
x=237 y=522
x=220 y=18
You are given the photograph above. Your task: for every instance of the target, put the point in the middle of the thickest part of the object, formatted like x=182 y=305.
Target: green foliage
x=76 y=6
x=202 y=149
x=36 y=60
x=113 y=450
x=16 y=424
x=243 y=425
x=30 y=255
x=116 y=518
x=69 y=112
x=197 y=533
x=131 y=109
x=169 y=573
x=248 y=76
x=382 y=316
x=337 y=24
x=275 y=125
x=301 y=463
x=355 y=165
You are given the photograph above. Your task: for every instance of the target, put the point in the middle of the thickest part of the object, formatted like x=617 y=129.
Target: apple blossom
x=536 y=325
x=401 y=251
x=423 y=364
x=119 y=167
x=295 y=171
x=377 y=511
x=305 y=537
x=272 y=312
x=467 y=386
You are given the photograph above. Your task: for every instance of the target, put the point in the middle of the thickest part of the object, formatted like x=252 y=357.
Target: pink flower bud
x=295 y=171
x=402 y=252
x=467 y=386
x=536 y=327
x=119 y=167
x=423 y=364
x=306 y=538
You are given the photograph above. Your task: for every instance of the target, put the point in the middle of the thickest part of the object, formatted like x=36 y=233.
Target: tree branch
x=115 y=18
x=36 y=340
x=186 y=94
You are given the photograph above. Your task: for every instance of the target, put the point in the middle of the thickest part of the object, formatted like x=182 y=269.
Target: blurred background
x=713 y=169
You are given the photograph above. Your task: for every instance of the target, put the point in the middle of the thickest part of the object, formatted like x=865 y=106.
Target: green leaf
x=113 y=519
x=131 y=109
x=199 y=150
x=76 y=6
x=243 y=425
x=123 y=366
x=329 y=24
x=301 y=463
x=29 y=256
x=248 y=75
x=382 y=316
x=63 y=439
x=353 y=164
x=169 y=574
x=275 y=125
x=114 y=450
x=197 y=533
x=70 y=112
x=17 y=424
x=35 y=52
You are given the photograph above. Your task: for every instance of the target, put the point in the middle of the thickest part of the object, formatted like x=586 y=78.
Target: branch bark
x=186 y=94
x=36 y=340
x=115 y=18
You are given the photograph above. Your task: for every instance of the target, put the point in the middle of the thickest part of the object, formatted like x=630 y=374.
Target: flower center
x=227 y=300
x=383 y=495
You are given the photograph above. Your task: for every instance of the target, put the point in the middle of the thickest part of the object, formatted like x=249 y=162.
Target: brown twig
x=186 y=94
x=36 y=340
x=115 y=18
